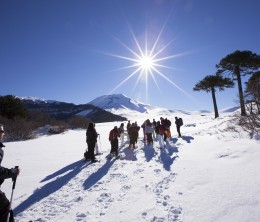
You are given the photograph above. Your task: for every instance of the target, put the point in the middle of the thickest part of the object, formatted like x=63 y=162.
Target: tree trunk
x=240 y=90
x=214 y=102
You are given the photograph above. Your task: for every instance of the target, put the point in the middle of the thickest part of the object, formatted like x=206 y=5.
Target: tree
x=237 y=64
x=11 y=107
x=210 y=83
x=252 y=92
x=251 y=122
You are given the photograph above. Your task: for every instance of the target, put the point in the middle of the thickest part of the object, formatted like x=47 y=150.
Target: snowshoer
x=5 y=206
x=178 y=123
x=134 y=129
x=148 y=128
x=122 y=133
x=91 y=141
x=113 y=138
x=160 y=136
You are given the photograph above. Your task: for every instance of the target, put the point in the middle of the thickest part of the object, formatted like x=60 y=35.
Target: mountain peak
x=118 y=101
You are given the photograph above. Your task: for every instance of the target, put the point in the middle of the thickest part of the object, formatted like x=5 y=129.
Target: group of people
x=152 y=131
x=6 y=213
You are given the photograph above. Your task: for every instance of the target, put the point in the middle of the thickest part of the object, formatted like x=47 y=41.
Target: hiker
x=167 y=126
x=179 y=123
x=127 y=129
x=143 y=127
x=122 y=133
x=148 y=131
x=91 y=141
x=160 y=136
x=113 y=138
x=4 y=174
x=156 y=130
x=134 y=129
x=163 y=123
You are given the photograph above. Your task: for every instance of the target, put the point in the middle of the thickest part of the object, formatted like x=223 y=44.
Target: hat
x=1 y=128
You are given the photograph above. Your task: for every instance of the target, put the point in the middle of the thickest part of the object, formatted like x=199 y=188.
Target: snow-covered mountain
x=119 y=101
x=122 y=105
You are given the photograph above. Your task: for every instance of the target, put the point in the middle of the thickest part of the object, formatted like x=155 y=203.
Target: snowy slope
x=210 y=174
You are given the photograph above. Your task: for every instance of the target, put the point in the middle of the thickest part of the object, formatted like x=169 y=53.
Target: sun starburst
x=147 y=62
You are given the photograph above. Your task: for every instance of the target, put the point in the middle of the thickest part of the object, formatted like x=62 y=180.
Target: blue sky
x=70 y=50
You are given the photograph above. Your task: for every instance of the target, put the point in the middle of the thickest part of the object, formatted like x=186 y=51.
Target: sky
x=186 y=181
x=76 y=51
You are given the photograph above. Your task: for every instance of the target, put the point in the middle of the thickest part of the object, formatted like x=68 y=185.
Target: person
x=137 y=129
x=113 y=138
x=5 y=173
x=128 y=130
x=143 y=127
x=122 y=133
x=91 y=141
x=178 y=123
x=160 y=136
x=148 y=131
x=133 y=132
x=156 y=130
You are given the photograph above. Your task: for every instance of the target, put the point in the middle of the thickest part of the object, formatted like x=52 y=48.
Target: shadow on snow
x=165 y=157
x=51 y=187
x=165 y=154
x=95 y=177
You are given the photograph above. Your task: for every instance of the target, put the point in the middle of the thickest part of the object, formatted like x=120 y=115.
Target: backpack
x=180 y=122
x=161 y=130
x=167 y=123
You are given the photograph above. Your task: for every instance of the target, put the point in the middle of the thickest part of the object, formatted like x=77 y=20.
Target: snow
x=210 y=174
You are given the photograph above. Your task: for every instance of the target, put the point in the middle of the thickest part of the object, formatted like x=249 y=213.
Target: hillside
x=63 y=110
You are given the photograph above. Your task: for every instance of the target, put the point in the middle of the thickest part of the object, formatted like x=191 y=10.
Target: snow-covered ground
x=209 y=175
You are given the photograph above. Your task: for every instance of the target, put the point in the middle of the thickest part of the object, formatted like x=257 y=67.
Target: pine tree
x=237 y=64
x=210 y=83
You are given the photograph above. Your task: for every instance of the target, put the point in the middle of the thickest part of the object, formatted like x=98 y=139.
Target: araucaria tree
x=251 y=122
x=210 y=83
x=237 y=64
x=252 y=93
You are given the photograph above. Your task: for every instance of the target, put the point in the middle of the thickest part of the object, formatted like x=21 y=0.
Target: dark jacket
x=91 y=135
x=4 y=172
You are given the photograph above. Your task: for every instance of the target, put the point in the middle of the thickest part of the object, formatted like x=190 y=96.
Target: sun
x=147 y=61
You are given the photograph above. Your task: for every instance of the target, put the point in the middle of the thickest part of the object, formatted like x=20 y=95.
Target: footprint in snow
x=103 y=203
x=175 y=214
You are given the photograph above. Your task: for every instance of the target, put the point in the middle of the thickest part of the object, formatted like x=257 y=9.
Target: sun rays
x=147 y=61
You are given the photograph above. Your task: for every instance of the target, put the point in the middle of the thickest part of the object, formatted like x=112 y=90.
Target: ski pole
x=11 y=199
